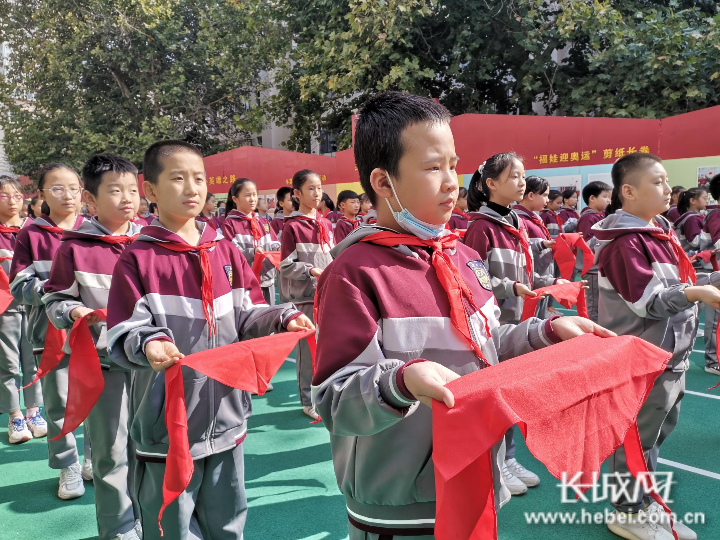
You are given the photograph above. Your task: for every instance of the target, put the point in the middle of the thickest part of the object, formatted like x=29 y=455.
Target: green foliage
x=88 y=76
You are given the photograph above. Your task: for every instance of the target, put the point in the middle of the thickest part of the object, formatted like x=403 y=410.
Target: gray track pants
x=213 y=506
x=656 y=420
x=15 y=357
x=303 y=362
x=63 y=452
x=108 y=423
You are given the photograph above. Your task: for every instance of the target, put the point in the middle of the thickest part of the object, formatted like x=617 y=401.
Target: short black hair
x=378 y=133
x=594 y=189
x=714 y=186
x=536 y=184
x=152 y=166
x=346 y=194
x=99 y=164
x=554 y=194
x=568 y=193
x=622 y=171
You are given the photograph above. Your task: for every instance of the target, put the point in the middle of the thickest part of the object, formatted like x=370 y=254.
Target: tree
x=95 y=75
x=635 y=58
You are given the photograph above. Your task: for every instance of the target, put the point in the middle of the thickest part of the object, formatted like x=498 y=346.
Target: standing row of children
x=181 y=285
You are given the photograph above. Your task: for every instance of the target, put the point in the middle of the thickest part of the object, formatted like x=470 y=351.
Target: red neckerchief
x=354 y=222
x=687 y=272
x=448 y=274
x=254 y=226
x=247 y=365
x=51 y=228
x=324 y=235
x=205 y=268
x=461 y=214
x=120 y=239
x=207 y=220
x=13 y=229
x=522 y=240
x=539 y=222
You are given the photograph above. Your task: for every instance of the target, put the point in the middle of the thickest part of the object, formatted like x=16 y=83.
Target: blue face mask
x=424 y=231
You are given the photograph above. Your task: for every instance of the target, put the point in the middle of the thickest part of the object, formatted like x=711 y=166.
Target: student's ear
x=149 y=189
x=381 y=185
x=89 y=198
x=491 y=184
x=628 y=192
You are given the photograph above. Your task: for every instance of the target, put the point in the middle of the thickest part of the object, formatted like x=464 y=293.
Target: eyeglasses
x=59 y=191
x=6 y=197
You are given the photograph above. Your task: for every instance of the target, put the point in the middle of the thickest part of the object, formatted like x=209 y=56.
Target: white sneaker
x=530 y=479
x=700 y=333
x=311 y=412
x=71 y=483
x=37 y=425
x=712 y=370
x=640 y=526
x=269 y=388
x=683 y=531
x=18 y=431
x=87 y=471
x=513 y=483
x=130 y=535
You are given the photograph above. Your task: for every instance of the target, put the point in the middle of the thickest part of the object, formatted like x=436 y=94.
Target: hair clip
x=481 y=167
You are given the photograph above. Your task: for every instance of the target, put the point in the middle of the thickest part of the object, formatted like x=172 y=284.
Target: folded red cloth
x=85 y=379
x=247 y=365
x=272 y=256
x=568 y=294
x=565 y=251
x=576 y=402
x=6 y=297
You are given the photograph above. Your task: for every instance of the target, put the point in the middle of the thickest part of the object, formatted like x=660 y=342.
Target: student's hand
x=561 y=281
x=707 y=294
x=522 y=291
x=162 y=354
x=426 y=381
x=570 y=327
x=81 y=311
x=258 y=250
x=315 y=272
x=548 y=243
x=300 y=323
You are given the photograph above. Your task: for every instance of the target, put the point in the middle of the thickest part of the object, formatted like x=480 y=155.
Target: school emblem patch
x=267 y=227
x=228 y=272
x=481 y=273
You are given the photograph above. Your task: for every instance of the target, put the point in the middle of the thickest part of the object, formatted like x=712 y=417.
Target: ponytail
x=478 y=192
x=683 y=204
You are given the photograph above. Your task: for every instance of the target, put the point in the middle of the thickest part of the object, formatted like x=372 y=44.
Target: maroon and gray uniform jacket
x=7 y=249
x=156 y=294
x=302 y=250
x=504 y=259
x=640 y=289
x=371 y=217
x=711 y=226
x=673 y=214
x=542 y=256
x=277 y=224
x=552 y=221
x=588 y=218
x=569 y=218
x=394 y=310
x=458 y=220
x=238 y=230
x=35 y=249
x=692 y=236
x=80 y=276
x=343 y=227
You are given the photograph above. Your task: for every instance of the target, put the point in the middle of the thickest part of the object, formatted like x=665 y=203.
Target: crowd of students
x=174 y=275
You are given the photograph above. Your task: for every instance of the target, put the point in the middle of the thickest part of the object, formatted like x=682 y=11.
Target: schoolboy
x=349 y=205
x=79 y=284
x=597 y=198
x=160 y=310
x=368 y=378
x=284 y=201
x=645 y=290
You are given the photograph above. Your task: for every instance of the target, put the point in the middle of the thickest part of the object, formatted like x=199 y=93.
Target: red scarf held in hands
x=568 y=294
x=605 y=381
x=6 y=296
x=52 y=353
x=709 y=257
x=85 y=379
x=448 y=275
x=324 y=235
x=247 y=365
x=272 y=256
x=564 y=252
x=206 y=293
